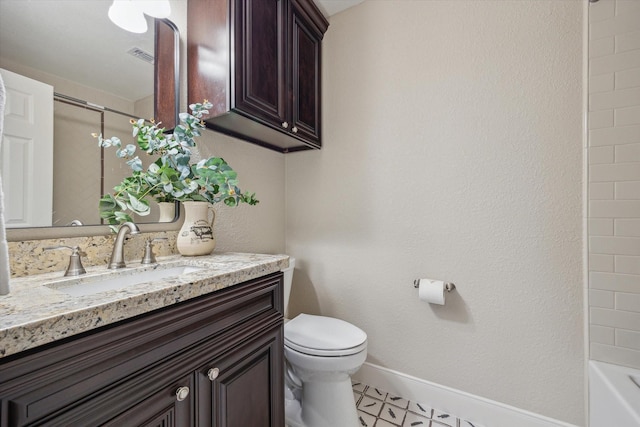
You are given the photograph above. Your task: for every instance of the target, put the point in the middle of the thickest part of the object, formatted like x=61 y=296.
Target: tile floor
x=377 y=408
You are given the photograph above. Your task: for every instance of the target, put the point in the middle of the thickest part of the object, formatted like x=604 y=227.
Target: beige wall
x=259 y=228
x=452 y=150
x=614 y=181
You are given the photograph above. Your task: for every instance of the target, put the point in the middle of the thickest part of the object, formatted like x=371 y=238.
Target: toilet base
x=324 y=404
x=292 y=412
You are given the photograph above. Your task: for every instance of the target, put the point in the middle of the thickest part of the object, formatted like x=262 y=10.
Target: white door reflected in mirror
x=27 y=150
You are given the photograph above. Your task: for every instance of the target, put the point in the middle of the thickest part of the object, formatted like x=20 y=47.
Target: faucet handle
x=149 y=257
x=75 y=267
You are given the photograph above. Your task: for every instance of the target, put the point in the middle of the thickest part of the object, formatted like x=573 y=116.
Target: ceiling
x=76 y=40
x=35 y=33
x=331 y=7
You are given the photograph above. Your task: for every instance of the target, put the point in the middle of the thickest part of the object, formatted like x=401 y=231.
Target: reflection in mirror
x=101 y=79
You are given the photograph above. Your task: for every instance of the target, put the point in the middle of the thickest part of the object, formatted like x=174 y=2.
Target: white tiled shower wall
x=614 y=181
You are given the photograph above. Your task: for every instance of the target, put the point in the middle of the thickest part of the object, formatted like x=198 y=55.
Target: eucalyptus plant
x=173 y=176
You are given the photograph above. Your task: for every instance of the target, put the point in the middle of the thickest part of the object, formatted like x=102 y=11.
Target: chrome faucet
x=117 y=256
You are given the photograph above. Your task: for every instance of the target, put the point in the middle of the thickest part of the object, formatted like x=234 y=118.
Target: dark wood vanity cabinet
x=259 y=63
x=216 y=360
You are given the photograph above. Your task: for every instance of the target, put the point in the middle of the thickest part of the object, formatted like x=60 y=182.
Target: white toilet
x=321 y=354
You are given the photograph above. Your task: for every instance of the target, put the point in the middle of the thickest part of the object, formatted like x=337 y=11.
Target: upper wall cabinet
x=258 y=62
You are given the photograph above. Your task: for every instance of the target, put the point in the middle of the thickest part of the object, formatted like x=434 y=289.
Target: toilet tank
x=288 y=279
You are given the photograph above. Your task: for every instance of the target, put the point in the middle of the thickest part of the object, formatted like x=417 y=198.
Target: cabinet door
x=170 y=406
x=305 y=61
x=244 y=387
x=259 y=87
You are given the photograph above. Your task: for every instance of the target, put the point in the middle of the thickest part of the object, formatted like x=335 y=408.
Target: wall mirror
x=101 y=76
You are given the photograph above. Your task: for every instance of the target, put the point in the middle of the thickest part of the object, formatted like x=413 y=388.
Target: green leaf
x=141 y=207
x=135 y=164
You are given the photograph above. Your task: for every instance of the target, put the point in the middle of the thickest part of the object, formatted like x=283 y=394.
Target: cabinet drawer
x=162 y=408
x=148 y=399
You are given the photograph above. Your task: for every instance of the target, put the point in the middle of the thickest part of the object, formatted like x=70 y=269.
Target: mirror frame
x=161 y=92
x=40 y=233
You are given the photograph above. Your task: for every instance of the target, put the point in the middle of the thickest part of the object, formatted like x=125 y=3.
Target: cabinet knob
x=285 y=125
x=294 y=129
x=213 y=373
x=182 y=393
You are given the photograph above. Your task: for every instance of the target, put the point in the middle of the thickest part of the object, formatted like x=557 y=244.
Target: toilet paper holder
x=448 y=286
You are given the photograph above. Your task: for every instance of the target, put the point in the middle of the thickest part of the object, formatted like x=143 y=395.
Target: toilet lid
x=323 y=336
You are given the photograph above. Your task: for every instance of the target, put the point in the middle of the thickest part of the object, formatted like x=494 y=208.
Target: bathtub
x=614 y=395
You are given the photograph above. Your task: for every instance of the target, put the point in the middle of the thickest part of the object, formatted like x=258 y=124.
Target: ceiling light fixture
x=129 y=14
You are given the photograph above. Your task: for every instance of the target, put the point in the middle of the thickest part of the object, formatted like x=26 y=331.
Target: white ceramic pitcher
x=196 y=235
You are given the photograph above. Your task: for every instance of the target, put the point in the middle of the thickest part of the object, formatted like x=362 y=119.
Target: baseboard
x=467 y=406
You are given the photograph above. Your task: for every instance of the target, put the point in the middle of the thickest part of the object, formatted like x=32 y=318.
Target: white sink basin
x=79 y=286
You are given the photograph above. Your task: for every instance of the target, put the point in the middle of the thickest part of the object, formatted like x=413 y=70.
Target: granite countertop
x=38 y=311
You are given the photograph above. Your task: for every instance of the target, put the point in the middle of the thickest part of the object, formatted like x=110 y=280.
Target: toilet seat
x=324 y=336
